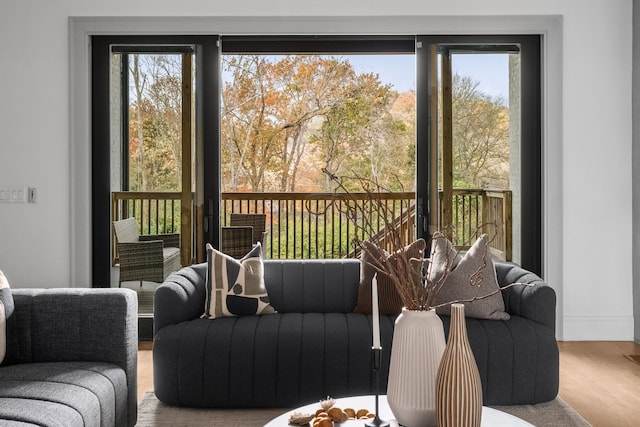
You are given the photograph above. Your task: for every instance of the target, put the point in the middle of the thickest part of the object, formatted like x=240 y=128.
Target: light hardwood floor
x=596 y=379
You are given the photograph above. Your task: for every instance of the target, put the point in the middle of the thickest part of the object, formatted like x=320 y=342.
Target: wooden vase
x=418 y=344
x=458 y=385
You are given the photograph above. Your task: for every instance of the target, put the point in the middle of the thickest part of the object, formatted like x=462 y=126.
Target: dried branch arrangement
x=388 y=252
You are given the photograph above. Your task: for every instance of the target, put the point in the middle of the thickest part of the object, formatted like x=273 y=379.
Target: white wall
x=44 y=131
x=636 y=168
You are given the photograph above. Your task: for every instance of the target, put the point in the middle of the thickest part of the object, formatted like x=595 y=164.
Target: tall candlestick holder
x=376 y=355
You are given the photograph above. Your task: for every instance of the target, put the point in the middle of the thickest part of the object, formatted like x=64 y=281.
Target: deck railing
x=482 y=211
x=320 y=225
x=156 y=212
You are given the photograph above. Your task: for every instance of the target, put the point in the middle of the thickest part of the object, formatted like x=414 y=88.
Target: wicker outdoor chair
x=148 y=258
x=236 y=241
x=257 y=221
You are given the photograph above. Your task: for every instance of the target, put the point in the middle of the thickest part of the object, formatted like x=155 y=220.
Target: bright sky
x=491 y=70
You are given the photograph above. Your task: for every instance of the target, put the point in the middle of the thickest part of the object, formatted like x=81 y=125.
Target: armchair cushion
x=56 y=393
x=126 y=230
x=235 y=287
x=167 y=252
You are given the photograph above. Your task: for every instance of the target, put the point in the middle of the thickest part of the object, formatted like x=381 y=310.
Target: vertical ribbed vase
x=418 y=344
x=458 y=389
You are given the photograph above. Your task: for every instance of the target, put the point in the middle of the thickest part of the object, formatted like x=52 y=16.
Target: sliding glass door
x=297 y=111
x=150 y=99
x=267 y=115
x=484 y=135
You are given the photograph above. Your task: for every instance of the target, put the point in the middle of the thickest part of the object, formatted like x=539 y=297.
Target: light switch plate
x=13 y=195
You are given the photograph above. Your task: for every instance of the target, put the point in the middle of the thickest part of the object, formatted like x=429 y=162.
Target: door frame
x=207 y=131
x=82 y=28
x=531 y=133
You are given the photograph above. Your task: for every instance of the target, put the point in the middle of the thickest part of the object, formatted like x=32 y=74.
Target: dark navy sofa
x=315 y=346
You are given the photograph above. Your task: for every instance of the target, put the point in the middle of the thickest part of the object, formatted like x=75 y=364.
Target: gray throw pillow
x=443 y=258
x=474 y=276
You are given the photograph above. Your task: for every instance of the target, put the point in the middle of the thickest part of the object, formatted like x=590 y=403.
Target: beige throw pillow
x=473 y=276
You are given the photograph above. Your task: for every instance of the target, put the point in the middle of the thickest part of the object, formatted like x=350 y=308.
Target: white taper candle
x=375 y=314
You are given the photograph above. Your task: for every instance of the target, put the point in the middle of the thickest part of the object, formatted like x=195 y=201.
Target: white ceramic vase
x=418 y=345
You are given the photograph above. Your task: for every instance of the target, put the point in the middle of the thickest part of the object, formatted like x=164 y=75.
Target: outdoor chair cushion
x=167 y=252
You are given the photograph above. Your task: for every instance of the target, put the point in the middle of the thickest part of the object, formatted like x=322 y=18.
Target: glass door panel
x=285 y=119
x=152 y=149
x=479 y=145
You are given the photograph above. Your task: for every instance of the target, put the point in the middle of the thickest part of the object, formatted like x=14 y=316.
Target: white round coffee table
x=490 y=417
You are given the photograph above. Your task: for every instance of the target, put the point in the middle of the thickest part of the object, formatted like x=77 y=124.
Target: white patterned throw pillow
x=235 y=287
x=6 y=310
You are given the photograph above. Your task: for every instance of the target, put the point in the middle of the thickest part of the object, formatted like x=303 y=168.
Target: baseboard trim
x=597 y=328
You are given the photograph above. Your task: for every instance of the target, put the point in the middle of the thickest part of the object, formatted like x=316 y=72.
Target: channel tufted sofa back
x=330 y=286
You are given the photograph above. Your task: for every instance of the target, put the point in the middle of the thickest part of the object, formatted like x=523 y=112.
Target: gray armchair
x=149 y=257
x=71 y=359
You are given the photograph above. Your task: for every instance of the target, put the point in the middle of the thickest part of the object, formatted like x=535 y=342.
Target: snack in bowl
x=338 y=415
x=322 y=422
x=328 y=415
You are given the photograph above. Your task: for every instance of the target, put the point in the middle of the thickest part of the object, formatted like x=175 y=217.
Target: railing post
x=114 y=217
x=508 y=221
x=486 y=214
